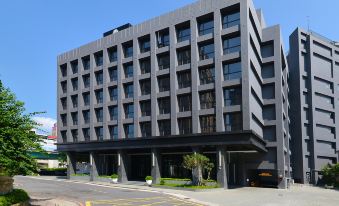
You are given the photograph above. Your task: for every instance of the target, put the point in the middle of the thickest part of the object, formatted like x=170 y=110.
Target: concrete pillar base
x=222 y=167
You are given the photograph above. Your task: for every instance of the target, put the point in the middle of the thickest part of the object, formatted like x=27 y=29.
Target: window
x=163 y=38
x=267 y=71
x=128 y=69
x=128 y=88
x=113 y=132
x=128 y=49
x=207 y=100
x=113 y=74
x=184 y=56
x=145 y=66
x=75 y=84
x=74 y=99
x=144 y=44
x=129 y=130
x=183 y=32
x=63 y=69
x=164 y=105
x=232 y=96
x=64 y=120
x=145 y=87
x=164 y=61
x=267 y=49
x=164 y=83
x=99 y=131
x=74 y=66
x=99 y=78
x=185 y=103
x=86 y=63
x=145 y=107
x=269 y=112
x=64 y=136
x=86 y=98
x=232 y=71
x=206 y=51
x=98 y=58
x=86 y=115
x=86 y=79
x=184 y=79
x=206 y=25
x=64 y=86
x=146 y=129
x=233 y=122
x=231 y=19
x=113 y=94
x=64 y=103
x=207 y=124
x=231 y=45
x=206 y=75
x=74 y=118
x=112 y=54
x=86 y=134
x=129 y=111
x=185 y=125
x=99 y=96
x=99 y=114
x=164 y=127
x=268 y=91
x=75 y=135
x=113 y=113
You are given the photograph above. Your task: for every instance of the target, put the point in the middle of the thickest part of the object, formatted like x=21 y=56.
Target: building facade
x=314 y=97
x=210 y=77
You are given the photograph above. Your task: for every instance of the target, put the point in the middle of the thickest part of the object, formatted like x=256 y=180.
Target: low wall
x=185 y=182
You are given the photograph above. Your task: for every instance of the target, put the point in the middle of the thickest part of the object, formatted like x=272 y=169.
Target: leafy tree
x=16 y=136
x=331 y=174
x=197 y=163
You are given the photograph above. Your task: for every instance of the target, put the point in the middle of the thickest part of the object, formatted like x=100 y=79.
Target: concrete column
x=195 y=172
x=71 y=164
x=93 y=170
x=122 y=166
x=156 y=166
x=222 y=167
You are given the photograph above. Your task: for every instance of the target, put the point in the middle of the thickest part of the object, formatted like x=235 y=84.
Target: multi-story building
x=209 y=77
x=314 y=97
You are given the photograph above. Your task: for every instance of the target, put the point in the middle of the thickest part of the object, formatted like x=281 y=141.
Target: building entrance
x=140 y=167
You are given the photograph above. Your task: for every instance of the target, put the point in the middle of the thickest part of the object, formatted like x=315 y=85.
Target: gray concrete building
x=314 y=97
x=210 y=77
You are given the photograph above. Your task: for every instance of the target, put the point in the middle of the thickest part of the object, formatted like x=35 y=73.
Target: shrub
x=114 y=176
x=149 y=178
x=14 y=197
x=162 y=182
x=330 y=174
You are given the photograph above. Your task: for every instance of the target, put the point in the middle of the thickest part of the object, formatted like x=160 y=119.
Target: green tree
x=16 y=136
x=197 y=163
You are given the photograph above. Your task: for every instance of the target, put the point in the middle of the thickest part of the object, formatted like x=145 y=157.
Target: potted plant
x=149 y=180
x=114 y=178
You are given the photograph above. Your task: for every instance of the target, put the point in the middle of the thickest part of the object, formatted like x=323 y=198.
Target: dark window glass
x=64 y=103
x=128 y=69
x=86 y=98
x=206 y=27
x=206 y=75
x=99 y=59
x=145 y=66
x=74 y=118
x=113 y=74
x=231 y=19
x=232 y=71
x=164 y=84
x=183 y=33
x=63 y=69
x=113 y=94
x=99 y=96
x=184 y=56
x=232 y=96
x=145 y=108
x=233 y=122
x=112 y=54
x=207 y=124
x=164 y=127
x=207 y=100
x=128 y=91
x=184 y=79
x=86 y=80
x=206 y=51
x=185 y=103
x=129 y=111
x=185 y=125
x=231 y=45
x=86 y=116
x=164 y=61
x=163 y=38
x=267 y=49
x=74 y=65
x=74 y=99
x=86 y=63
x=64 y=120
x=64 y=136
x=145 y=45
x=146 y=129
x=128 y=51
x=64 y=86
x=86 y=134
x=129 y=130
x=75 y=84
x=99 y=78
x=99 y=131
x=113 y=112
x=145 y=87
x=75 y=135
x=99 y=114
x=113 y=131
x=164 y=105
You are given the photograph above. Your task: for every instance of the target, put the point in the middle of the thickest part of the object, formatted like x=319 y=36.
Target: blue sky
x=33 y=33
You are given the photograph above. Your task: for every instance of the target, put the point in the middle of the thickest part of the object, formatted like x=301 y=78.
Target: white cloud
x=46 y=124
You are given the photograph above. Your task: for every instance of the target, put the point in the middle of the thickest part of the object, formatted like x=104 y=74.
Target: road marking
x=88 y=203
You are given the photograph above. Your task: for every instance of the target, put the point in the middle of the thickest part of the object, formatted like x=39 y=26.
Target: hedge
x=14 y=197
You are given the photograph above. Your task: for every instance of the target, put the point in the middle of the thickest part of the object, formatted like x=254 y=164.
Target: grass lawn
x=188 y=186
x=14 y=197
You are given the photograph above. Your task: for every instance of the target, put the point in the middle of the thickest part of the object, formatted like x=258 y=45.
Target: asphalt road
x=93 y=195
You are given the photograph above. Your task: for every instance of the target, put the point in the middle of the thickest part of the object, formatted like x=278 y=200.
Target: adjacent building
x=210 y=77
x=314 y=97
